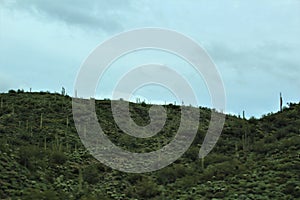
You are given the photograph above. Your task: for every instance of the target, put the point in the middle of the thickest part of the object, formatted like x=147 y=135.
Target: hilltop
x=42 y=156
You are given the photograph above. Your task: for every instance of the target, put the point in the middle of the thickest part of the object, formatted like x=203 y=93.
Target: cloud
x=255 y=74
x=104 y=15
x=273 y=58
x=256 y=48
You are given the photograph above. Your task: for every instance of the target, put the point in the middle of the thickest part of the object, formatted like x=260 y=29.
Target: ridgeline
x=42 y=156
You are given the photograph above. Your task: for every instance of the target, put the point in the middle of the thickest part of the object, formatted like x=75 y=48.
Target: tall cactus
x=63 y=91
x=237 y=150
x=245 y=139
x=41 y=121
x=67 y=121
x=58 y=144
x=80 y=180
x=202 y=163
x=45 y=143
x=281 y=102
x=67 y=147
x=1 y=105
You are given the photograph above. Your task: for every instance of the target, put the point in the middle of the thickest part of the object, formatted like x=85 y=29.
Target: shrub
x=146 y=189
x=134 y=178
x=270 y=139
x=20 y=91
x=216 y=158
x=281 y=133
x=187 y=181
x=29 y=156
x=221 y=170
x=91 y=174
x=12 y=91
x=3 y=145
x=180 y=170
x=166 y=175
x=192 y=153
x=30 y=194
x=291 y=188
x=58 y=158
x=261 y=147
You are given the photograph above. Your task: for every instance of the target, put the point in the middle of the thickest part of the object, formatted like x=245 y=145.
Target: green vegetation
x=42 y=156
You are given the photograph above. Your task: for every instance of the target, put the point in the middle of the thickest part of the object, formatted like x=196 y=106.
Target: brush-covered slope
x=42 y=156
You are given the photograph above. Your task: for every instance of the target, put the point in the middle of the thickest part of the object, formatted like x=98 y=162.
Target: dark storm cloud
x=105 y=15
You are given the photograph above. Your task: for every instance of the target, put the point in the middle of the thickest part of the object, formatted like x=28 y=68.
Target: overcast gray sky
x=254 y=44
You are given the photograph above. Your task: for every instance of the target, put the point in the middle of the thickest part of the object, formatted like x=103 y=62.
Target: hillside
x=42 y=156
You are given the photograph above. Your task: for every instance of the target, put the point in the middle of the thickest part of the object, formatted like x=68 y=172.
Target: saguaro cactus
x=237 y=150
x=245 y=138
x=281 y=102
x=80 y=180
x=67 y=121
x=41 y=120
x=202 y=163
x=45 y=143
x=63 y=91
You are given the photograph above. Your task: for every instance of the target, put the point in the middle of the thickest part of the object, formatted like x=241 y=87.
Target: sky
x=255 y=46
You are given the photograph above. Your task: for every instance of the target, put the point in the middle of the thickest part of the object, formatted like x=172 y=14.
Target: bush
x=20 y=91
x=181 y=171
x=58 y=158
x=291 y=188
x=270 y=139
x=31 y=157
x=134 y=178
x=31 y=194
x=281 y=133
x=91 y=174
x=261 y=147
x=188 y=181
x=146 y=189
x=221 y=170
x=12 y=91
x=3 y=145
x=192 y=153
x=215 y=158
x=166 y=175
x=290 y=142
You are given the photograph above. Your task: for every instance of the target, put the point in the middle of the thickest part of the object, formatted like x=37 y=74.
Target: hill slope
x=42 y=156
